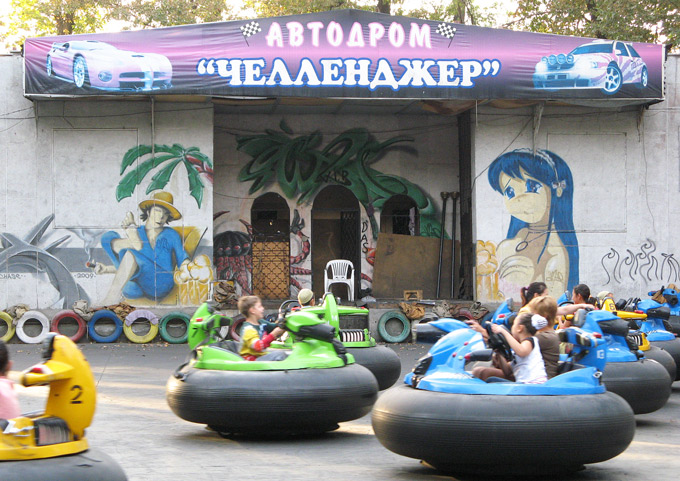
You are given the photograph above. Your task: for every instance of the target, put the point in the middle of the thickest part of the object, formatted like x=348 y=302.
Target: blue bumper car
x=458 y=423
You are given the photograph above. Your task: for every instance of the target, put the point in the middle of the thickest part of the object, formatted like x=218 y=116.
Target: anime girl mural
x=541 y=244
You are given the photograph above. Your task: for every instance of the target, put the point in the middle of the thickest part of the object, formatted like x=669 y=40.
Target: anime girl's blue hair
x=554 y=172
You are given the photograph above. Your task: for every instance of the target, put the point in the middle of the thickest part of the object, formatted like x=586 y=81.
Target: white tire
x=36 y=316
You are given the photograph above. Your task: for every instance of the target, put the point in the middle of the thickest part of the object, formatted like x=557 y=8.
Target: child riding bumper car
x=315 y=387
x=51 y=445
x=458 y=423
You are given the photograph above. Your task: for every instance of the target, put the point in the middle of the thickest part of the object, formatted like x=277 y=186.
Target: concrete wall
x=66 y=193
x=624 y=166
x=61 y=162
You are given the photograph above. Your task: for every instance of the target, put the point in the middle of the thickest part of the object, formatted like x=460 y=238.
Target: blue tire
x=107 y=315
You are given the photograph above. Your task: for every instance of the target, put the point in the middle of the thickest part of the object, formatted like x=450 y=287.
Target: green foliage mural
x=170 y=157
x=301 y=167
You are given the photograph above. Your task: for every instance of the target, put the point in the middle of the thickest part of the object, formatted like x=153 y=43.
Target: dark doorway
x=335 y=235
x=270 y=218
x=399 y=215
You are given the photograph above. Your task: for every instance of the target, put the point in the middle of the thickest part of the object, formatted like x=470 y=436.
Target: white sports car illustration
x=90 y=63
x=602 y=64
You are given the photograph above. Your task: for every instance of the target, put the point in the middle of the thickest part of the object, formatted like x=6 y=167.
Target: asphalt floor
x=135 y=426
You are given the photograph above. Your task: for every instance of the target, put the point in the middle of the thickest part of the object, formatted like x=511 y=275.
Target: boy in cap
x=306 y=297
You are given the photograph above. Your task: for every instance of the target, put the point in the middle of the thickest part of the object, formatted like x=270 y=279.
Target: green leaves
x=151 y=14
x=56 y=17
x=169 y=157
x=630 y=20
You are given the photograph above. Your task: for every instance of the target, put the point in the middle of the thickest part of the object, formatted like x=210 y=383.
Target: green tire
x=394 y=317
x=174 y=316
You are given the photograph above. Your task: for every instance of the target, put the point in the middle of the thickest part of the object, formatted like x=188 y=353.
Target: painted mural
x=234 y=259
x=148 y=260
x=299 y=252
x=169 y=157
x=300 y=166
x=234 y=256
x=540 y=244
x=151 y=261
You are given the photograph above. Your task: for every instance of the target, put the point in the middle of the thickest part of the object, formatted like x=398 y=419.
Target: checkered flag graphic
x=446 y=30
x=250 y=29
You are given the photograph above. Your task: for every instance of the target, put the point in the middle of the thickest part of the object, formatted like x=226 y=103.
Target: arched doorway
x=270 y=218
x=336 y=234
x=399 y=215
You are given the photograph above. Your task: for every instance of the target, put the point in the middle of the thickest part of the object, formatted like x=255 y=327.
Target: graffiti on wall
x=299 y=245
x=233 y=254
x=29 y=255
x=151 y=260
x=301 y=167
x=234 y=257
x=644 y=265
x=540 y=244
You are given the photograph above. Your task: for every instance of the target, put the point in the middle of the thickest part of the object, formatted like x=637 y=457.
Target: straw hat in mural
x=163 y=199
x=304 y=296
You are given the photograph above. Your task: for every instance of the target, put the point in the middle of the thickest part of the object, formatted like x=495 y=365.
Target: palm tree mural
x=301 y=167
x=169 y=157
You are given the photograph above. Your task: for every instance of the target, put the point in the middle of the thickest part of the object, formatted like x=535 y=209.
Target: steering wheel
x=286 y=307
x=498 y=343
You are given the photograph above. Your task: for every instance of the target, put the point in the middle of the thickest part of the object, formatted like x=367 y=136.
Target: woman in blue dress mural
x=145 y=260
x=541 y=244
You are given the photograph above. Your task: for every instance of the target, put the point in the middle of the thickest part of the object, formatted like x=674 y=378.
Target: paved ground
x=134 y=425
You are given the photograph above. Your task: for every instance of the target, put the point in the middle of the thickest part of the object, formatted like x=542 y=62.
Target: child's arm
x=501 y=363
x=522 y=349
x=571 y=309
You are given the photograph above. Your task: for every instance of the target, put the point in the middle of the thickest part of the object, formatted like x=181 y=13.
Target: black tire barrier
x=428 y=334
x=294 y=401
x=32 y=316
x=9 y=322
x=393 y=318
x=174 y=317
x=674 y=324
x=105 y=315
x=382 y=361
x=91 y=465
x=503 y=434
x=672 y=348
x=68 y=315
x=645 y=385
x=140 y=315
x=664 y=358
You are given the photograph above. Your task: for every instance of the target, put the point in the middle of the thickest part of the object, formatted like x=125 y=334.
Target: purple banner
x=346 y=53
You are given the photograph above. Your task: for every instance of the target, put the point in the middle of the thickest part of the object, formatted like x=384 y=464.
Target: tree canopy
x=165 y=13
x=633 y=20
x=56 y=17
x=268 y=8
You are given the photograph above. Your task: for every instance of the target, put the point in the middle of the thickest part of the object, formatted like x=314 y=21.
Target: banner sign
x=345 y=53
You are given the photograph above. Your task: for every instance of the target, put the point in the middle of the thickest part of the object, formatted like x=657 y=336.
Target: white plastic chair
x=341 y=272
